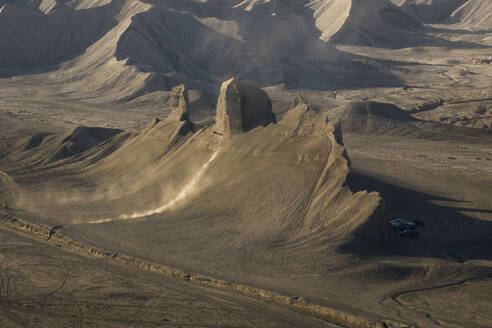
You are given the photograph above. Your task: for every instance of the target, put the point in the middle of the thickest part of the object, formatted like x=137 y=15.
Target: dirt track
x=42 y=285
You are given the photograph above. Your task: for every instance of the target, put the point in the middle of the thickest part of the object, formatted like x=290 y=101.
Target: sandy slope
x=346 y=21
x=474 y=14
x=376 y=23
x=466 y=14
x=131 y=47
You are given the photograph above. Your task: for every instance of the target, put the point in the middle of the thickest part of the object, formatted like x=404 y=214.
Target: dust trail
x=187 y=190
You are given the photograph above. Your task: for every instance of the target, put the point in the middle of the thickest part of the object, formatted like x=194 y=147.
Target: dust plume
x=185 y=192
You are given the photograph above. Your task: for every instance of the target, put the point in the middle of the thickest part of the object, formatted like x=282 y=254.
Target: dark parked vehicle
x=404 y=227
x=402 y=223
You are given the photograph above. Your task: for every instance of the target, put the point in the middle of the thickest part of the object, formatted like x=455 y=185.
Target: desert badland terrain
x=237 y=163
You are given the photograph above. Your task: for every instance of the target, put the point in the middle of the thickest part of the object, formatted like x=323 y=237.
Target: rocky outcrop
x=179 y=103
x=241 y=107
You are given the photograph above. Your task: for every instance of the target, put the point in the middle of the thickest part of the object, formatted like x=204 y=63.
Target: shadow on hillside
x=449 y=231
x=456 y=31
x=53 y=38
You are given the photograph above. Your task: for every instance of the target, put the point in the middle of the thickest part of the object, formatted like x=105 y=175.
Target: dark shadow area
x=447 y=232
x=428 y=13
x=420 y=39
x=82 y=139
x=375 y=118
x=456 y=31
x=49 y=39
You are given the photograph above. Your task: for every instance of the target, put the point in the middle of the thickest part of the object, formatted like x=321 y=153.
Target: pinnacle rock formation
x=300 y=100
x=179 y=102
x=241 y=107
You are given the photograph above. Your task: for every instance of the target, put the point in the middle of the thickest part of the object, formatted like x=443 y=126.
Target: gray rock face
x=178 y=100
x=242 y=106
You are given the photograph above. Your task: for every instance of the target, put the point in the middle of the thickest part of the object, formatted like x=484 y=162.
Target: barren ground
x=439 y=173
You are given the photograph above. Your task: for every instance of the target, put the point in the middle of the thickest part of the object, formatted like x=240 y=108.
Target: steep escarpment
x=242 y=106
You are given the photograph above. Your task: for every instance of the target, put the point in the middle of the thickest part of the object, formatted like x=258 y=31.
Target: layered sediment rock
x=179 y=102
x=242 y=106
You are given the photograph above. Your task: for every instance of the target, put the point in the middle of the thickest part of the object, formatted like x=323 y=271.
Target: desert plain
x=238 y=163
